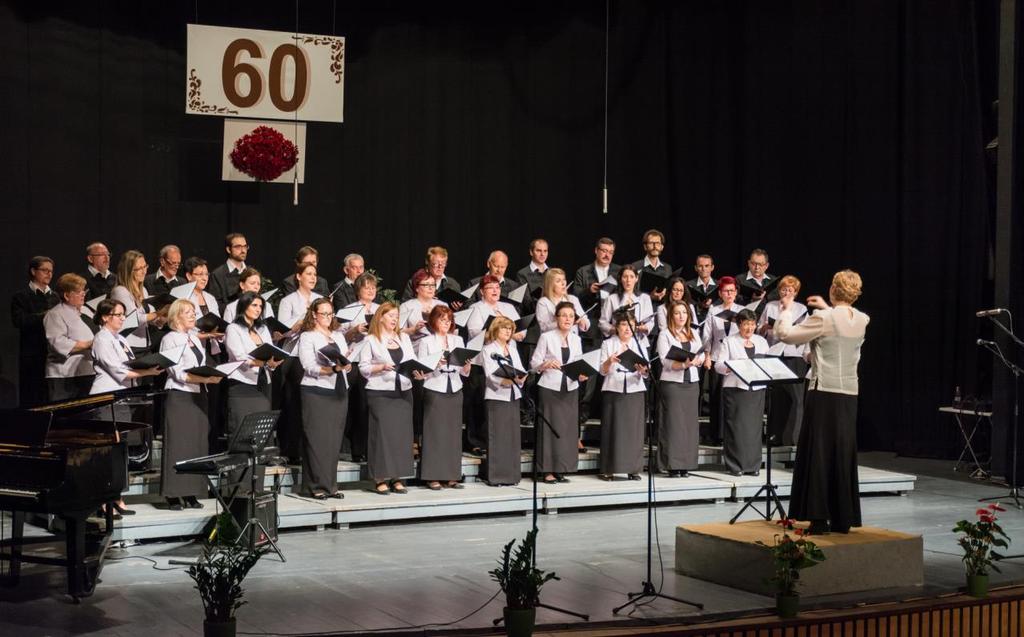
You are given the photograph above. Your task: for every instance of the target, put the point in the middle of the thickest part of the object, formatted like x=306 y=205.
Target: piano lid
x=22 y=427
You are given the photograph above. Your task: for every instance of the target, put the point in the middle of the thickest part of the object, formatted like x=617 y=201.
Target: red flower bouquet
x=264 y=154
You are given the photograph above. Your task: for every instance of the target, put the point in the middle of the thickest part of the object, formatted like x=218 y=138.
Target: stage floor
x=389 y=574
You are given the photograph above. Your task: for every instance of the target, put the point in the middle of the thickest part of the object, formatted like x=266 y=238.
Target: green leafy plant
x=218 y=575
x=791 y=554
x=978 y=539
x=519 y=579
x=384 y=295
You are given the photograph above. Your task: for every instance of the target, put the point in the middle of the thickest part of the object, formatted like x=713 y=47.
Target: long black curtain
x=840 y=134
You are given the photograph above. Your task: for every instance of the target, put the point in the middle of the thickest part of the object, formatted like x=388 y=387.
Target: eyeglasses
x=652 y=243
x=117 y=314
x=240 y=246
x=45 y=270
x=173 y=264
x=325 y=314
x=758 y=264
x=100 y=254
x=428 y=285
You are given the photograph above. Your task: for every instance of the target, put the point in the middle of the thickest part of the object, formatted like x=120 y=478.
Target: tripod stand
x=647 y=587
x=531 y=406
x=256 y=430
x=771 y=496
x=1015 y=491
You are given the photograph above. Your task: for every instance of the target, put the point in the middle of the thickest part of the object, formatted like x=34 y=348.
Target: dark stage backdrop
x=837 y=134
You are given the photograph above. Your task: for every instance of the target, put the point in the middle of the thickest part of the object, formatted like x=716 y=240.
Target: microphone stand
x=647 y=587
x=1015 y=492
x=505 y=363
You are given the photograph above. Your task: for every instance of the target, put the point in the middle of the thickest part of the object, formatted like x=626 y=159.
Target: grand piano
x=55 y=459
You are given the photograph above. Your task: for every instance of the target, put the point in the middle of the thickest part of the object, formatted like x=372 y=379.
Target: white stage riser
x=477 y=499
x=350 y=473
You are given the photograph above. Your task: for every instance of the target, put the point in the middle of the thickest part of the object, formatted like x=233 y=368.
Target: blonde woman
x=556 y=290
x=186 y=420
x=129 y=291
x=69 y=370
x=825 y=483
x=389 y=401
x=501 y=397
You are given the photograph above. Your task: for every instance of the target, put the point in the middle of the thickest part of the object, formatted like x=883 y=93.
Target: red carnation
x=264 y=154
x=981 y=512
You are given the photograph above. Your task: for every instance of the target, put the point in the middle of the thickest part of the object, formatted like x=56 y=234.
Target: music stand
x=251 y=439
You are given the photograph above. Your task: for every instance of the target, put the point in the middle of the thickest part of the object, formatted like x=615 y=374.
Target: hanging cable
x=604 y=191
x=295 y=132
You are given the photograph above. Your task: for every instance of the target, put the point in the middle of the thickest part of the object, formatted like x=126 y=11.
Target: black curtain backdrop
x=837 y=134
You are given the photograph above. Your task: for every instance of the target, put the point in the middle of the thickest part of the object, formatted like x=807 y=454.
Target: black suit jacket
x=344 y=294
x=744 y=299
x=223 y=284
x=585 y=277
x=27 y=310
x=156 y=285
x=447 y=283
x=535 y=281
x=97 y=285
x=693 y=285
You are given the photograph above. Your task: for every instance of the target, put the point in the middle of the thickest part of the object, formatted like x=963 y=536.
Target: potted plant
x=521 y=582
x=791 y=554
x=218 y=575
x=978 y=540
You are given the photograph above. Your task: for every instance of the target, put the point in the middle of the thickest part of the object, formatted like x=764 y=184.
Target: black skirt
x=185 y=428
x=678 y=428
x=786 y=405
x=622 y=432
x=389 y=446
x=561 y=409
x=742 y=418
x=441 y=451
x=323 y=424
x=503 y=442
x=825 y=481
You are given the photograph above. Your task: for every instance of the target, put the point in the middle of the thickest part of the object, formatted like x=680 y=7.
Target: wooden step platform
x=154 y=521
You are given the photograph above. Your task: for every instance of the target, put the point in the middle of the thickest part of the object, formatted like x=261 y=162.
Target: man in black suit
x=497 y=265
x=307 y=255
x=533 y=274
x=344 y=290
x=704 y=286
x=224 y=278
x=28 y=305
x=435 y=264
x=654 y=245
x=755 y=278
x=166 y=278
x=585 y=284
x=99 y=280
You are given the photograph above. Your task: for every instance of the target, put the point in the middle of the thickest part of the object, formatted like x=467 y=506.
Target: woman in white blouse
x=186 y=421
x=129 y=291
x=677 y=293
x=111 y=355
x=248 y=386
x=622 y=401
x=441 y=451
x=742 y=405
x=556 y=291
x=291 y=312
x=502 y=391
x=389 y=400
x=413 y=313
x=559 y=402
x=250 y=280
x=679 y=392
x=69 y=339
x=825 y=483
x=356 y=428
x=626 y=294
x=490 y=305
x=324 y=399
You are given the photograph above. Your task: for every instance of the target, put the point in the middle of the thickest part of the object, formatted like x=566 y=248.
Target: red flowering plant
x=791 y=554
x=264 y=154
x=979 y=538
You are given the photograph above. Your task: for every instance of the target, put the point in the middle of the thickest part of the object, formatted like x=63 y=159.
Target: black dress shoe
x=735 y=473
x=193 y=503
x=174 y=504
x=560 y=478
x=634 y=476
x=682 y=473
x=123 y=511
x=338 y=495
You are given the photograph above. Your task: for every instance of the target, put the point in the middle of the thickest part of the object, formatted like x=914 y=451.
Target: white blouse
x=176 y=376
x=619 y=379
x=64 y=327
x=312 y=376
x=732 y=349
x=667 y=341
x=662 y=314
x=239 y=343
x=544 y=314
x=374 y=352
x=716 y=330
x=356 y=340
x=411 y=312
x=836 y=335
x=798 y=312
x=642 y=309
x=139 y=337
x=292 y=308
x=437 y=380
x=494 y=389
x=549 y=346
x=231 y=311
x=110 y=355
x=481 y=310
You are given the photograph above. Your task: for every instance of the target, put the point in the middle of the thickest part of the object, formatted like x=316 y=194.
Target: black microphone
x=501 y=359
x=992 y=312
x=985 y=343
